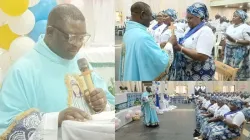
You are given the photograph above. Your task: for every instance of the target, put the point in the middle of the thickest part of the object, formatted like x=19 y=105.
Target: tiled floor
x=178 y=124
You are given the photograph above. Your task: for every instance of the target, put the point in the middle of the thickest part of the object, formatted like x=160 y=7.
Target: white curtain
x=100 y=15
x=104 y=15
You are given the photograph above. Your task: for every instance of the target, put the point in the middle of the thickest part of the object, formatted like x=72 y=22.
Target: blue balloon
x=40 y=28
x=42 y=9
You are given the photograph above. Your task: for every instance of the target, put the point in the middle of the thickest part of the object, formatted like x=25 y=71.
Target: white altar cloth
x=101 y=127
x=120 y=98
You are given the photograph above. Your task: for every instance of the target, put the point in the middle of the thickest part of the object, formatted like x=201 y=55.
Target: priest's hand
x=98 y=100
x=73 y=114
x=163 y=44
x=173 y=40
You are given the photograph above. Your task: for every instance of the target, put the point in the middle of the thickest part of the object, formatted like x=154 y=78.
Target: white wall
x=129 y=85
x=211 y=86
x=100 y=15
x=158 y=5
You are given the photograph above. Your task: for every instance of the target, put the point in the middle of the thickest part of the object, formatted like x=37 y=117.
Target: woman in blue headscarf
x=209 y=113
x=193 y=60
x=236 y=53
x=169 y=16
x=157 y=28
x=231 y=123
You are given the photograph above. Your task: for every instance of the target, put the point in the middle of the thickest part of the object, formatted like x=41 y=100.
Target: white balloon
x=5 y=63
x=3 y=18
x=33 y=3
x=23 y=24
x=20 y=46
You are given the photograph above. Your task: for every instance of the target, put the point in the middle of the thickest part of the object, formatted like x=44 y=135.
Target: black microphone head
x=83 y=64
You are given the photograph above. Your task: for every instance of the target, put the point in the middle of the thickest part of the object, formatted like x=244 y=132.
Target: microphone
x=86 y=73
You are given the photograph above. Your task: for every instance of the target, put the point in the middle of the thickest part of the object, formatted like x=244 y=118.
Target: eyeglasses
x=73 y=39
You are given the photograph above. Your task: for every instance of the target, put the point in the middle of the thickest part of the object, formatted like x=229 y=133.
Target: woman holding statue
x=169 y=17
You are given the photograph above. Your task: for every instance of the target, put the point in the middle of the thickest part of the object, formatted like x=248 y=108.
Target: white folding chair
x=217 y=47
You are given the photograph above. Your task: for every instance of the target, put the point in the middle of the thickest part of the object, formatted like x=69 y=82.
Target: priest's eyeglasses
x=72 y=39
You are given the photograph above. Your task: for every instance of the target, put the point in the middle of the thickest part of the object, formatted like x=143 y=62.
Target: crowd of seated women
x=220 y=116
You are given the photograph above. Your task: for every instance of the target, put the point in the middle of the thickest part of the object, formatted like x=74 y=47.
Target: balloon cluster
x=137 y=115
x=117 y=123
x=129 y=115
x=21 y=24
x=133 y=115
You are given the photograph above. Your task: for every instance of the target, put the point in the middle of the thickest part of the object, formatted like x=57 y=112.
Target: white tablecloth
x=101 y=127
x=120 y=98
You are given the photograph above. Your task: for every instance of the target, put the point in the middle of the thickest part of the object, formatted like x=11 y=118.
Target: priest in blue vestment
x=143 y=59
x=43 y=88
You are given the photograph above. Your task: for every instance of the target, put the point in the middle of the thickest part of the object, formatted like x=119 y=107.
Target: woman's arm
x=230 y=125
x=203 y=48
x=191 y=53
x=241 y=42
x=237 y=121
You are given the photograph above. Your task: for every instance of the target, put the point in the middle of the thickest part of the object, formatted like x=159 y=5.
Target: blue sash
x=231 y=112
x=191 y=32
x=209 y=106
x=156 y=26
x=178 y=55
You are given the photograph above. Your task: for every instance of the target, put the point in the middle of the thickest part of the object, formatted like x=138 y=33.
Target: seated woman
x=203 y=108
x=219 y=111
x=205 y=104
x=149 y=109
x=206 y=115
x=246 y=112
x=230 y=125
x=193 y=60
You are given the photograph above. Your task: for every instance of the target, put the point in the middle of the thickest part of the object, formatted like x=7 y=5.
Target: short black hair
x=139 y=7
x=64 y=12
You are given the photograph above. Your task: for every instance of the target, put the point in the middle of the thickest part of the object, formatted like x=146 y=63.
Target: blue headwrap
x=213 y=98
x=237 y=102
x=172 y=13
x=221 y=100
x=242 y=14
x=199 y=10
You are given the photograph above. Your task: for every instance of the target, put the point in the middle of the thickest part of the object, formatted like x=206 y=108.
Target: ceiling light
x=241 y=6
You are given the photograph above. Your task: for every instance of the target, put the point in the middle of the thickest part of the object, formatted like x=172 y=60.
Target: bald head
x=141 y=13
x=66 y=30
x=64 y=13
